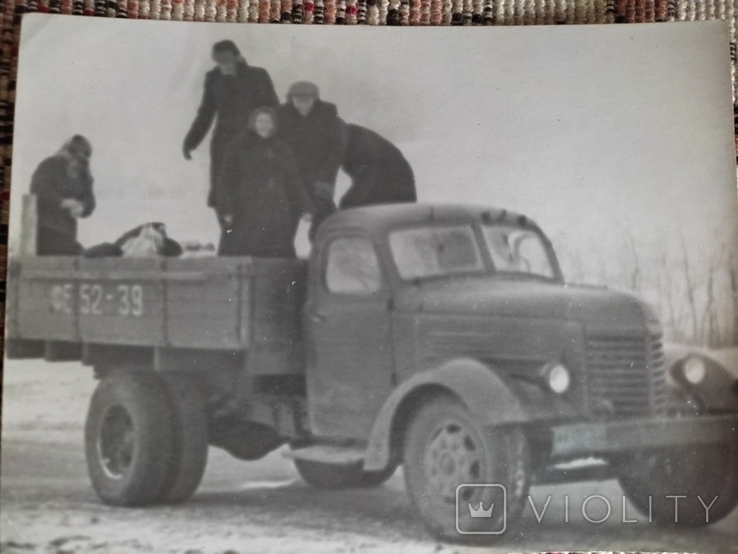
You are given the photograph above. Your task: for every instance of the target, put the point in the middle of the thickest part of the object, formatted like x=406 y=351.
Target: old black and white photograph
x=278 y=289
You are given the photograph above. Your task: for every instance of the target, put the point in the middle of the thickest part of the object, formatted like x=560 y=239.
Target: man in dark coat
x=379 y=172
x=63 y=188
x=233 y=90
x=315 y=133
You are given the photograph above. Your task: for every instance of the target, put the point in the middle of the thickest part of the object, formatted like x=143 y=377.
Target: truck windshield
x=516 y=250
x=435 y=251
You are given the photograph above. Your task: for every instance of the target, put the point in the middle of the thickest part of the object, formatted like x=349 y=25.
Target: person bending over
x=379 y=172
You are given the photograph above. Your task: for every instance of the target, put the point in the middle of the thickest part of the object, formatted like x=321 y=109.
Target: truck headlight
x=693 y=370
x=558 y=378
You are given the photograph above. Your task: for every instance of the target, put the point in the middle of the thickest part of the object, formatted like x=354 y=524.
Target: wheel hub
x=452 y=458
x=115 y=445
x=447 y=464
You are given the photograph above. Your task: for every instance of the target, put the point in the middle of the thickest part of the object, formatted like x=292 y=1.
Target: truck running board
x=581 y=470
x=328 y=454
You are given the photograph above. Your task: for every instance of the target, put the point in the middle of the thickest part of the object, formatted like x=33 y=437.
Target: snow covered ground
x=48 y=505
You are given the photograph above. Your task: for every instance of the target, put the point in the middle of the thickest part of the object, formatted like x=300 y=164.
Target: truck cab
x=395 y=294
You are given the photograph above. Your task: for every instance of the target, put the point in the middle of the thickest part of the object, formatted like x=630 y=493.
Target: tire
x=700 y=472
x=128 y=438
x=331 y=476
x=445 y=448
x=189 y=438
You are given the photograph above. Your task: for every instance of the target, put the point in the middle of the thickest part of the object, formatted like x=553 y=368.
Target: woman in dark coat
x=379 y=172
x=63 y=188
x=260 y=193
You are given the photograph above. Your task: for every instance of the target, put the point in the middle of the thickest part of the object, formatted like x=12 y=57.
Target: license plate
x=114 y=299
x=575 y=436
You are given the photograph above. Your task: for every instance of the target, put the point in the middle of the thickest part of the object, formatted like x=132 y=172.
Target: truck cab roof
x=378 y=220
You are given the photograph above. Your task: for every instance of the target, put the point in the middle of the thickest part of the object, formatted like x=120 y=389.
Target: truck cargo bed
x=215 y=304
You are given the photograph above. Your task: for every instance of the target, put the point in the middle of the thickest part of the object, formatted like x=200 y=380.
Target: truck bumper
x=580 y=439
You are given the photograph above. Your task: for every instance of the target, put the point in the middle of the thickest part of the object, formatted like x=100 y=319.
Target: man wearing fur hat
x=233 y=90
x=63 y=188
x=312 y=128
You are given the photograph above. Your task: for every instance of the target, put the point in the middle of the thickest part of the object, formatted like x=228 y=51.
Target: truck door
x=349 y=331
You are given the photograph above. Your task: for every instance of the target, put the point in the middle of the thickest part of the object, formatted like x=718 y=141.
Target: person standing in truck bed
x=260 y=193
x=379 y=172
x=233 y=90
x=63 y=188
x=312 y=128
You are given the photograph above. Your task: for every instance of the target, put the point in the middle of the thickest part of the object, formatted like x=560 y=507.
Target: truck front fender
x=484 y=393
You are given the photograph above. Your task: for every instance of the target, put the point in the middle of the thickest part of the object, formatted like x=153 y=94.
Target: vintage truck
x=443 y=338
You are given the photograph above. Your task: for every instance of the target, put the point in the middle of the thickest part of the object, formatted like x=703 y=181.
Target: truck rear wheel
x=445 y=448
x=332 y=476
x=128 y=438
x=699 y=475
x=189 y=438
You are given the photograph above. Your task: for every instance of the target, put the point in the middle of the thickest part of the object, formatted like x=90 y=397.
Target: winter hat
x=226 y=46
x=303 y=88
x=76 y=144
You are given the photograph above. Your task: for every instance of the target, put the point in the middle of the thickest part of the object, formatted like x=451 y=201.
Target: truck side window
x=515 y=250
x=352 y=267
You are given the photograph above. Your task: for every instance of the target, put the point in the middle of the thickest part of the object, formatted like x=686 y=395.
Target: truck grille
x=625 y=375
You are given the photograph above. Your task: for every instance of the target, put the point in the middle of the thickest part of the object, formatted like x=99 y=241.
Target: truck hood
x=598 y=309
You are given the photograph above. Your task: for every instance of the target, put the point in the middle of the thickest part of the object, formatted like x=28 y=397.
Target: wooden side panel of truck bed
x=48 y=299
x=229 y=304
x=222 y=309
x=120 y=303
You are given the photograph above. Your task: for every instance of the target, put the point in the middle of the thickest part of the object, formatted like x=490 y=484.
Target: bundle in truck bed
x=66 y=307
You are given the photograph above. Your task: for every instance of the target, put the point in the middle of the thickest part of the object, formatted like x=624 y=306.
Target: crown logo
x=481 y=512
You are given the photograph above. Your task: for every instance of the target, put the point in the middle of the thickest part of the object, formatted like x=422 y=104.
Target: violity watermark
x=486 y=514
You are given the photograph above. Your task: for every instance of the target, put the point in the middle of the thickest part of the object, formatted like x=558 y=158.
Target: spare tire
x=334 y=476
x=128 y=438
x=329 y=476
x=371 y=479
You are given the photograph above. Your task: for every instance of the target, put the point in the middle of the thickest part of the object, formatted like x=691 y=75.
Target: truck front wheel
x=691 y=486
x=128 y=438
x=444 y=448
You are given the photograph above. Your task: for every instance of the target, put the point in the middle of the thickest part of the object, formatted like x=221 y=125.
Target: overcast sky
x=589 y=130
